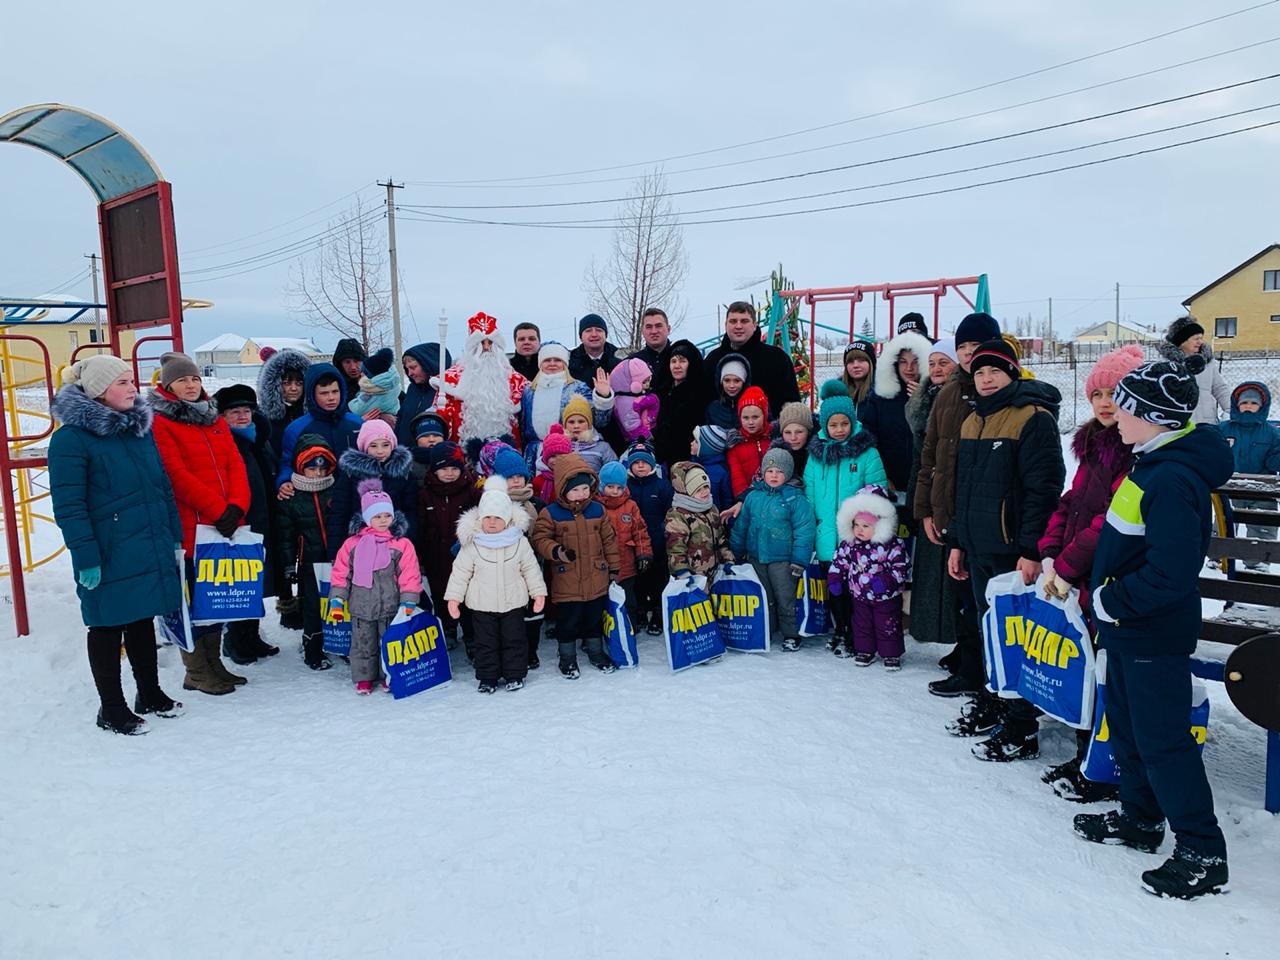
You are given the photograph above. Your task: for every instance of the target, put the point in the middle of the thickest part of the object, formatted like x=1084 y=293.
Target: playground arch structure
x=141 y=291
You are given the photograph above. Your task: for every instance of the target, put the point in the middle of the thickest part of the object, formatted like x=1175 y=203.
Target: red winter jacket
x=630 y=532
x=744 y=456
x=201 y=459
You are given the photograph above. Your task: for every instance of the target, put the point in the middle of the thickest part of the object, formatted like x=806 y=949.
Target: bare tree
x=342 y=286
x=646 y=264
x=827 y=343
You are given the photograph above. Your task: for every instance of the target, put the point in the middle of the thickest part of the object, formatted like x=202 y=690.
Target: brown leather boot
x=199 y=676
x=210 y=643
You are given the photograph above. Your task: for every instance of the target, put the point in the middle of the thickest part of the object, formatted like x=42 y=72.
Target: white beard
x=484 y=387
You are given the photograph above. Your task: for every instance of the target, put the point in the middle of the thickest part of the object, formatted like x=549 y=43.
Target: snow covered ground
x=782 y=806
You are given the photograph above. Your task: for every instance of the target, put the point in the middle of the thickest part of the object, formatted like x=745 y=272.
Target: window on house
x=1275 y=318
x=93 y=335
x=1224 y=327
x=1271 y=279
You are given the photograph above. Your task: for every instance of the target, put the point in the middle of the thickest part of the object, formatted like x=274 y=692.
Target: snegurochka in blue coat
x=114 y=505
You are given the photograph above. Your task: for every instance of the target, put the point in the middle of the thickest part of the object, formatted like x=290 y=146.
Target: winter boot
x=841 y=649
x=1007 y=744
x=568 y=659
x=654 y=629
x=791 y=644
x=1114 y=827
x=486 y=686
x=158 y=703
x=210 y=642
x=596 y=654
x=951 y=662
x=364 y=687
x=1060 y=771
x=1186 y=875
x=120 y=720
x=313 y=654
x=893 y=664
x=199 y=675
x=954 y=686
x=260 y=648
x=1078 y=788
x=235 y=643
x=514 y=685
x=861 y=659
x=977 y=717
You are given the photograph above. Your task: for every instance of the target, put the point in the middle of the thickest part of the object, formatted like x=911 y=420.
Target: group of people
x=510 y=492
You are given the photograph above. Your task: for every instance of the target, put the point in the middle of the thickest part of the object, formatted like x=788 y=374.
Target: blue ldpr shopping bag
x=619 y=636
x=337 y=636
x=175 y=627
x=414 y=657
x=689 y=623
x=812 y=617
x=742 y=610
x=229 y=573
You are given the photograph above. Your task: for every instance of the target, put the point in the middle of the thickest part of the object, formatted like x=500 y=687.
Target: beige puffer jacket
x=494 y=580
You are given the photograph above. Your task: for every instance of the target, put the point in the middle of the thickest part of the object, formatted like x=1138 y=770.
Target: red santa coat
x=451 y=407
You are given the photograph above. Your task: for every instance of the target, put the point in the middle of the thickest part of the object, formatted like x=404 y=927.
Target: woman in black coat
x=884 y=411
x=681 y=388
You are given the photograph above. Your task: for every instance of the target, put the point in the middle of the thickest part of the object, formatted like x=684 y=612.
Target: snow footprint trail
x=788 y=805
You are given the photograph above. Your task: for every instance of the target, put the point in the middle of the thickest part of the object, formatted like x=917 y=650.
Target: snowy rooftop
x=234 y=343
x=227 y=342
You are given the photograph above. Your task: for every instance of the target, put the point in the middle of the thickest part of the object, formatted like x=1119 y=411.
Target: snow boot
x=486 y=686
x=1078 y=788
x=954 y=686
x=313 y=654
x=863 y=659
x=235 y=643
x=260 y=648
x=1008 y=744
x=568 y=659
x=158 y=703
x=364 y=687
x=120 y=720
x=791 y=644
x=831 y=643
x=977 y=717
x=596 y=654
x=950 y=662
x=1186 y=875
x=211 y=641
x=841 y=649
x=200 y=676
x=514 y=685
x=892 y=664
x=654 y=629
x=1055 y=773
x=1114 y=827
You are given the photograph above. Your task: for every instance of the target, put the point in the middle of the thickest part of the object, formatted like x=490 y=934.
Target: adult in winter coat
x=421 y=363
x=593 y=353
x=545 y=398
x=368 y=461
x=859 y=369
x=326 y=415
x=1255 y=446
x=281 y=391
x=732 y=379
x=115 y=508
x=772 y=369
x=681 y=388
x=884 y=412
x=348 y=357
x=1184 y=340
x=210 y=485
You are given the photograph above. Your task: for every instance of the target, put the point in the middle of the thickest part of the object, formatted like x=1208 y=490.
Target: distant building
x=230 y=353
x=1112 y=332
x=61 y=340
x=1241 y=309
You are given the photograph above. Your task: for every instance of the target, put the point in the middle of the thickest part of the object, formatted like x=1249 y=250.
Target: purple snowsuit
x=874 y=573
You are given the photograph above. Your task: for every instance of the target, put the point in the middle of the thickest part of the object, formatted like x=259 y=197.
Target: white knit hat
x=495 y=503
x=553 y=350
x=94 y=374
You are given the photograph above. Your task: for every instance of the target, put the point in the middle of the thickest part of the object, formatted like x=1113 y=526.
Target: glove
x=337 y=610
x=835 y=584
x=1055 y=586
x=797 y=570
x=291 y=574
x=408 y=609
x=643 y=564
x=564 y=554
x=90 y=577
x=227 y=523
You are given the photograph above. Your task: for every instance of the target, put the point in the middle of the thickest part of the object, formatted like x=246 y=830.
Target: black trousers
x=501 y=647
x=533 y=628
x=648 y=588
x=1019 y=715
x=139 y=639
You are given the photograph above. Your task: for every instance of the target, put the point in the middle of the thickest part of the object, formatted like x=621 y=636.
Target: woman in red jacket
x=210 y=485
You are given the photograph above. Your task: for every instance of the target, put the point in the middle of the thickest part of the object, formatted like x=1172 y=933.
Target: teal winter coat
x=115 y=507
x=835 y=472
x=775 y=525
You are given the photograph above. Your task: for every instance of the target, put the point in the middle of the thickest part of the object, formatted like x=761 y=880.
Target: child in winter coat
x=747 y=444
x=635 y=552
x=795 y=428
x=1146 y=606
x=374 y=575
x=303 y=538
x=375 y=456
x=449 y=490
x=554 y=444
x=696 y=539
x=842 y=460
x=508 y=465
x=652 y=494
x=709 y=452
x=379 y=386
x=498 y=576
x=872 y=567
x=428 y=430
x=586 y=443
x=1255 y=446
x=1070 y=538
x=1009 y=478
x=775 y=531
x=574 y=535
x=636 y=407
x=733 y=377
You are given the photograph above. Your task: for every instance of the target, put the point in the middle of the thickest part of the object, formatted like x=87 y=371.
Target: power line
x=572 y=225
x=866 y=116
x=198 y=251
x=296 y=246
x=863 y=163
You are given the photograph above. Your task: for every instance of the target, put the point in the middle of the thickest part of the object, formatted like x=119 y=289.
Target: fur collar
x=833 y=451
x=736 y=438
x=399 y=525
x=72 y=408
x=469 y=524
x=270 y=398
x=886 y=515
x=1101 y=444
x=357 y=465
x=887 y=382
x=1173 y=353
x=180 y=411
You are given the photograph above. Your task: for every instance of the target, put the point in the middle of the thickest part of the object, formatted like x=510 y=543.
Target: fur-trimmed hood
x=825 y=450
x=868 y=500
x=73 y=408
x=1173 y=353
x=271 y=378
x=357 y=465
x=469 y=524
x=1103 y=445
x=888 y=384
x=165 y=404
x=399 y=525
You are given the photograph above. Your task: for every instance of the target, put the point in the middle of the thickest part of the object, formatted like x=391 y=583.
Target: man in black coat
x=527 y=339
x=656 y=331
x=348 y=356
x=594 y=350
x=771 y=367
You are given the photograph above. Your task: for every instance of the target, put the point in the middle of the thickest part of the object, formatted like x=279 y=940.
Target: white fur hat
x=553 y=350
x=870 y=500
x=495 y=503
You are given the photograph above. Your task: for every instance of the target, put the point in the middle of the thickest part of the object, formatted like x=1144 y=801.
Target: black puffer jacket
x=771 y=368
x=396 y=474
x=682 y=407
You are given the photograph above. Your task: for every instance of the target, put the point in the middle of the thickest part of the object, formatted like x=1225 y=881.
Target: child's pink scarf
x=372 y=552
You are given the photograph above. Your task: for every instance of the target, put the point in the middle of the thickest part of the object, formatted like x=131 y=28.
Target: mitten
x=797 y=570
x=337 y=610
x=835 y=584
x=563 y=554
x=408 y=609
x=227 y=523
x=90 y=577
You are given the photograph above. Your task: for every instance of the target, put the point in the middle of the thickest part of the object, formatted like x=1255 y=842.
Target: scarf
x=372 y=552
x=311 y=485
x=497 y=541
x=523 y=495
x=686 y=502
x=546 y=402
x=249 y=432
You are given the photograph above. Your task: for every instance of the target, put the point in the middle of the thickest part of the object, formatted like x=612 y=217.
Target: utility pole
x=395 y=268
x=1117 y=311
x=97 y=314
x=1050 y=336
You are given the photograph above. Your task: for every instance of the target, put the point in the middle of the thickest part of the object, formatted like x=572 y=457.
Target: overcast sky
x=264 y=116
